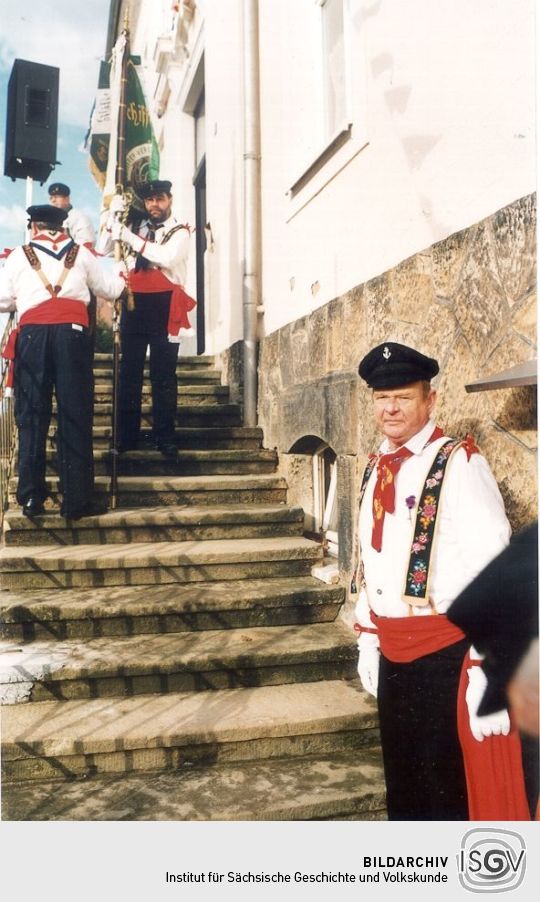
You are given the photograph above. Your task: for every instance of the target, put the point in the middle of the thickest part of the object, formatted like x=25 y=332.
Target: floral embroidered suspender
x=417 y=578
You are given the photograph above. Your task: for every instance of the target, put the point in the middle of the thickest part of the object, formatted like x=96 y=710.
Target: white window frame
x=323 y=504
x=329 y=134
x=330 y=140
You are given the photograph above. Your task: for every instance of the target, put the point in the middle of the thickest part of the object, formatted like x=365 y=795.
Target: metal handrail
x=7 y=421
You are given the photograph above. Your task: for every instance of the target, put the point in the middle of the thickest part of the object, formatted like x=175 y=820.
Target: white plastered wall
x=442 y=109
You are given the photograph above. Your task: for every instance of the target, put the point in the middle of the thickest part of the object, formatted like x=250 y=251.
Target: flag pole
x=120 y=179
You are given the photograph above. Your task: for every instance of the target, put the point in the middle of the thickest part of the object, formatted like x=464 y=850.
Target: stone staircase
x=174 y=659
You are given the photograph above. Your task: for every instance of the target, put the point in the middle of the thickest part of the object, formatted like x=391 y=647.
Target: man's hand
x=368 y=662
x=495 y=724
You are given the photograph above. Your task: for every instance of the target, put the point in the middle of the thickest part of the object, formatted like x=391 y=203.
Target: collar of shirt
x=415 y=444
x=159 y=227
x=53 y=248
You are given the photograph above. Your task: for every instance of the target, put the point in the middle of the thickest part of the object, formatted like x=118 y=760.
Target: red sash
x=149 y=281
x=404 y=639
x=51 y=312
x=493 y=767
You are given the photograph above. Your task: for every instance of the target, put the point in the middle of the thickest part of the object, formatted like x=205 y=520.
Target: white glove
x=495 y=724
x=117 y=204
x=368 y=662
x=116 y=231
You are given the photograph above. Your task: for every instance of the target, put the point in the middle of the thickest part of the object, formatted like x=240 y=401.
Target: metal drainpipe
x=252 y=208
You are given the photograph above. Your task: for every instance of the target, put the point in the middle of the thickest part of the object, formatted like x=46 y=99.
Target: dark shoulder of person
x=503 y=599
x=498 y=612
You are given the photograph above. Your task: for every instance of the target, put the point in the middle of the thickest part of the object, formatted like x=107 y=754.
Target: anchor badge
x=387 y=353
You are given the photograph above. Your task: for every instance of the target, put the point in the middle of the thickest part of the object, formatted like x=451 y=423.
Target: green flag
x=141 y=150
x=142 y=153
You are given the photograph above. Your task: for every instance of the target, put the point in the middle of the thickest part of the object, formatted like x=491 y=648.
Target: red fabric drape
x=404 y=639
x=52 y=312
x=148 y=281
x=493 y=767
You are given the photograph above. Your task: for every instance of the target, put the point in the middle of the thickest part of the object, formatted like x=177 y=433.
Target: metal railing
x=7 y=422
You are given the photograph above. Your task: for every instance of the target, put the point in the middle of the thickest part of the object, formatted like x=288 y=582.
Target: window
x=333 y=66
x=324 y=497
x=332 y=89
x=315 y=465
x=200 y=126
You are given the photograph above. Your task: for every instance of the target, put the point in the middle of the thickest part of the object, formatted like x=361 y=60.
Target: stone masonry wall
x=469 y=301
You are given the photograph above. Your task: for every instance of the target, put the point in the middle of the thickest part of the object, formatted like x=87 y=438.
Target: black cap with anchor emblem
x=53 y=216
x=155 y=187
x=392 y=365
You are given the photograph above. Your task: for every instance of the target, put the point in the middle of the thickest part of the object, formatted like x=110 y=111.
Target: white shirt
x=471 y=530
x=169 y=255
x=21 y=288
x=80 y=228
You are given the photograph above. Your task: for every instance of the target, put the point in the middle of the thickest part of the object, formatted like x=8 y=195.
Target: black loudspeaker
x=32 y=121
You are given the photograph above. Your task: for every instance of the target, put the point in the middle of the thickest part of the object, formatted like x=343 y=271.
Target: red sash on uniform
x=404 y=639
x=149 y=281
x=493 y=767
x=54 y=311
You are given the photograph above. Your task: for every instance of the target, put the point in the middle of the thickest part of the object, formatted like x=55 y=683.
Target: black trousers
x=144 y=327
x=55 y=358
x=423 y=763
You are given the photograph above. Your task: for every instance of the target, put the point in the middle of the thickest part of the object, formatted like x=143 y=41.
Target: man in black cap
x=431 y=517
x=48 y=281
x=157 y=274
x=77 y=223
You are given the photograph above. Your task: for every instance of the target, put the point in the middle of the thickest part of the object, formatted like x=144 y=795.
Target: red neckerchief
x=384 y=494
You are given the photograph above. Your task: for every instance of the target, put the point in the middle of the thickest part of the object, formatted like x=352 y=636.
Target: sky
x=70 y=34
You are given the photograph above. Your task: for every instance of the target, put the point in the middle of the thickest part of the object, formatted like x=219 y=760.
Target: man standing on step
x=79 y=227
x=431 y=517
x=48 y=281
x=77 y=224
x=157 y=273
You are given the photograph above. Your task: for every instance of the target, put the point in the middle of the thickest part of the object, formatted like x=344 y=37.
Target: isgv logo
x=491 y=861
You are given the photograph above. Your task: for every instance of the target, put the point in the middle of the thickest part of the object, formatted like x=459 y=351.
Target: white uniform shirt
x=21 y=288
x=80 y=228
x=171 y=256
x=471 y=530
x=168 y=255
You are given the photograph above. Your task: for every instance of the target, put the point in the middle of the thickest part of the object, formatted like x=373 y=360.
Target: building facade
x=396 y=176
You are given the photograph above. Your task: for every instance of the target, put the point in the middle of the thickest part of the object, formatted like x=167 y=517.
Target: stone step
x=191 y=394
x=188 y=463
x=65 y=739
x=139 y=491
x=105 y=361
x=177 y=662
x=123 y=611
x=190 y=438
x=203 y=414
x=148 y=563
x=196 y=376
x=155 y=524
x=341 y=786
